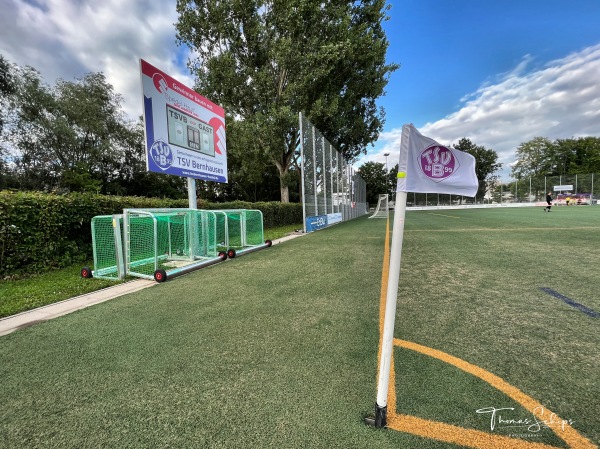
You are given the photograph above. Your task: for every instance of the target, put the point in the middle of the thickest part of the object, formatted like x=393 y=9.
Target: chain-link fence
x=581 y=189
x=331 y=189
x=437 y=199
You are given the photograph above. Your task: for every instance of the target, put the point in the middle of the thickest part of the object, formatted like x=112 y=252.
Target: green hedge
x=39 y=231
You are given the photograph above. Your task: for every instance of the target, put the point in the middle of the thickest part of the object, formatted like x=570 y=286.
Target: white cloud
x=66 y=39
x=560 y=100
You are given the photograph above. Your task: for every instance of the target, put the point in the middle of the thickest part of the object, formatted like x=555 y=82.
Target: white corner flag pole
x=387 y=341
x=424 y=166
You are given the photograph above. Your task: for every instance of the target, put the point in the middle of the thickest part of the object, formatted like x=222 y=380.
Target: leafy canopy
x=486 y=163
x=266 y=61
x=376 y=179
x=541 y=156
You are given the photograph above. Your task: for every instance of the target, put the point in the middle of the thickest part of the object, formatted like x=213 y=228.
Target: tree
x=71 y=136
x=7 y=90
x=575 y=156
x=535 y=157
x=392 y=182
x=27 y=117
x=7 y=87
x=376 y=179
x=486 y=164
x=265 y=61
x=541 y=157
x=251 y=177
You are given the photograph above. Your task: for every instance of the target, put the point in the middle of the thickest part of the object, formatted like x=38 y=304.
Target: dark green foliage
x=7 y=86
x=274 y=213
x=540 y=157
x=486 y=164
x=374 y=176
x=39 y=231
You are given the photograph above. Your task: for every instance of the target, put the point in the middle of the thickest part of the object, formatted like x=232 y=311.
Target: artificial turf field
x=278 y=348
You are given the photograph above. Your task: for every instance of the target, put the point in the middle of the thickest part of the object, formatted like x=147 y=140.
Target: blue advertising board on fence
x=315 y=223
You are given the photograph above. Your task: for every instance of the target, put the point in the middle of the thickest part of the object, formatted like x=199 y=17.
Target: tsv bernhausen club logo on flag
x=428 y=167
x=438 y=162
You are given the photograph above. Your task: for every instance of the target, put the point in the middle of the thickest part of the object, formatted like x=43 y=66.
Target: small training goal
x=164 y=243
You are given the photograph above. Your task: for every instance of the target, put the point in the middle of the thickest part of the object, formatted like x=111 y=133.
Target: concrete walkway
x=41 y=314
x=45 y=313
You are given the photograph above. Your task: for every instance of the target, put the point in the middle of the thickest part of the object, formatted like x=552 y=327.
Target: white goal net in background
x=382 y=210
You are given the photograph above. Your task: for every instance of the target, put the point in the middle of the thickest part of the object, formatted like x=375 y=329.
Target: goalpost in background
x=382 y=210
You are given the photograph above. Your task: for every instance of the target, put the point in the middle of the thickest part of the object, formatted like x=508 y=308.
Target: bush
x=40 y=231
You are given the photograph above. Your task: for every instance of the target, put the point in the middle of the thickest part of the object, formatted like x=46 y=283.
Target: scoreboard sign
x=185 y=132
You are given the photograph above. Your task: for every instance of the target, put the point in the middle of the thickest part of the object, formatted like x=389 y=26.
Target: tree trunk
x=284 y=177
x=285 y=194
x=283 y=185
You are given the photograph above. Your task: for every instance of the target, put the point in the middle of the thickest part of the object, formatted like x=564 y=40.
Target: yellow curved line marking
x=568 y=434
x=456 y=434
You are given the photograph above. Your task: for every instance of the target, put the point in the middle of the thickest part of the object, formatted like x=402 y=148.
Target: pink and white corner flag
x=428 y=167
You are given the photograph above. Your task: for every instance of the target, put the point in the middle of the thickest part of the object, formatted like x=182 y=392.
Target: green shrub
x=39 y=231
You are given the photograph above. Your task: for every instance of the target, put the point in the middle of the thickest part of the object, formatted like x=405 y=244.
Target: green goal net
x=107 y=246
x=144 y=242
x=167 y=239
x=244 y=227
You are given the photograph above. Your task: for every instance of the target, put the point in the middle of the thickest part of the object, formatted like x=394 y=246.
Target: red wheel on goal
x=231 y=253
x=86 y=272
x=269 y=243
x=160 y=275
x=223 y=255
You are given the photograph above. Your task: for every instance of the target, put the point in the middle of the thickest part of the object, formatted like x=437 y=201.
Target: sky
x=498 y=72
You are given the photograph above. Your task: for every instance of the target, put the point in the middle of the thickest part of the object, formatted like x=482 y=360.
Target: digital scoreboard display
x=189 y=132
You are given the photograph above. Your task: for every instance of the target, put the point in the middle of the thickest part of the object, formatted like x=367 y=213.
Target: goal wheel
x=86 y=272
x=223 y=255
x=231 y=253
x=160 y=275
x=269 y=243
